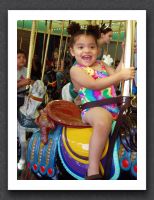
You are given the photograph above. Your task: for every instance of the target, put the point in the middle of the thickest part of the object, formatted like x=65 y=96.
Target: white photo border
x=140 y=17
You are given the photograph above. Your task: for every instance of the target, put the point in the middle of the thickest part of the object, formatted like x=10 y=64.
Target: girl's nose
x=86 y=49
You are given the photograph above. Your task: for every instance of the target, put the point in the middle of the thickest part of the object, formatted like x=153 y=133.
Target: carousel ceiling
x=43 y=26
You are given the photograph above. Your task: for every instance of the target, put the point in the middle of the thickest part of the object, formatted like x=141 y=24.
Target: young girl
x=94 y=81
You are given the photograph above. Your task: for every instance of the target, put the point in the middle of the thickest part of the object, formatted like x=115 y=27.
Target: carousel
x=53 y=142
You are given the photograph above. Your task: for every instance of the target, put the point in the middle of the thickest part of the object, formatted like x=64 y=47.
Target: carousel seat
x=65 y=113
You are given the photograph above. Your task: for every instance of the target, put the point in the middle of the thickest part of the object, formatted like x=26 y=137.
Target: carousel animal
x=69 y=143
x=27 y=115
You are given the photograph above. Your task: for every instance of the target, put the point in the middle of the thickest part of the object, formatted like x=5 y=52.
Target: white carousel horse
x=27 y=115
x=66 y=93
x=69 y=94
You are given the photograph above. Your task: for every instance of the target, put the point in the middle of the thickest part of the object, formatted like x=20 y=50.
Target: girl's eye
x=92 y=47
x=80 y=47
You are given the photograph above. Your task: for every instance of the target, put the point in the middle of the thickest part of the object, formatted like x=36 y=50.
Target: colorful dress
x=89 y=95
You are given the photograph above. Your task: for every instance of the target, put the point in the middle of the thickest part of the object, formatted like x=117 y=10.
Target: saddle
x=65 y=113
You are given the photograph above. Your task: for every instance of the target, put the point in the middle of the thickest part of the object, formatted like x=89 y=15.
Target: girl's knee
x=103 y=125
x=99 y=124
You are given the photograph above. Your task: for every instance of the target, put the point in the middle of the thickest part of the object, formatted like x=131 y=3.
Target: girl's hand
x=127 y=73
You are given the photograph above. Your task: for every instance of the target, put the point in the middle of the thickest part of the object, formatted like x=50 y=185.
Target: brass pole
x=66 y=42
x=35 y=37
x=115 y=55
x=44 y=39
x=110 y=23
x=46 y=50
x=20 y=46
x=30 y=56
x=60 y=46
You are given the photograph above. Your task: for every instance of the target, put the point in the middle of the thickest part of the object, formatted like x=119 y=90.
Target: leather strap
x=114 y=100
x=36 y=98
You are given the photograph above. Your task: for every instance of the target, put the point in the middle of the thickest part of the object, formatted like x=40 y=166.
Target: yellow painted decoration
x=78 y=140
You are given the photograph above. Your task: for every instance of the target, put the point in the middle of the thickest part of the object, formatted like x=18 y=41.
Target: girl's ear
x=72 y=51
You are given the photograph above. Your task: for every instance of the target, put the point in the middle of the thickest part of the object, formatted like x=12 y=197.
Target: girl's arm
x=81 y=79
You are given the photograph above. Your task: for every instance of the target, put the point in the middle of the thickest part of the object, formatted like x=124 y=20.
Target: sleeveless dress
x=89 y=95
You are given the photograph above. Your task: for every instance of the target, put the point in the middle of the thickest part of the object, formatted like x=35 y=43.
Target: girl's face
x=21 y=60
x=85 y=50
x=106 y=38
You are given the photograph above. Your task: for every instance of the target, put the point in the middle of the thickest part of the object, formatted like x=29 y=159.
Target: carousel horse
x=70 y=142
x=27 y=115
x=68 y=92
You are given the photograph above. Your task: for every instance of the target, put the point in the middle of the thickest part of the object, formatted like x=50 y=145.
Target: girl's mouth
x=87 y=58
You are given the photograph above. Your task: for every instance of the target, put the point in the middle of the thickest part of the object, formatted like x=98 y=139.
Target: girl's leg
x=101 y=121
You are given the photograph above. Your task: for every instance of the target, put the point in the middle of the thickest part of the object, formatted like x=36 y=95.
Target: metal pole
x=30 y=56
x=46 y=50
x=66 y=42
x=127 y=55
x=35 y=37
x=60 y=46
x=20 y=46
x=44 y=39
x=110 y=23
x=115 y=55
x=132 y=54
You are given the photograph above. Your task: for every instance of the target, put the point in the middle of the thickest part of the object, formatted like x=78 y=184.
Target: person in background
x=22 y=81
x=55 y=73
x=106 y=37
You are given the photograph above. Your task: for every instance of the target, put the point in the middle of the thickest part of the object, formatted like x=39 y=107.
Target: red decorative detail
x=135 y=168
x=50 y=171
x=35 y=166
x=42 y=169
x=28 y=164
x=45 y=125
x=125 y=163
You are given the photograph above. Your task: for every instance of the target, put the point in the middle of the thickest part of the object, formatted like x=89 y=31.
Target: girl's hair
x=105 y=29
x=74 y=29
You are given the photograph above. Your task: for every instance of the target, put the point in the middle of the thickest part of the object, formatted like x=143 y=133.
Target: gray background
x=80 y=5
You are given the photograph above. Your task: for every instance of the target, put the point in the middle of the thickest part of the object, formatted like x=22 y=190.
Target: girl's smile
x=85 y=50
